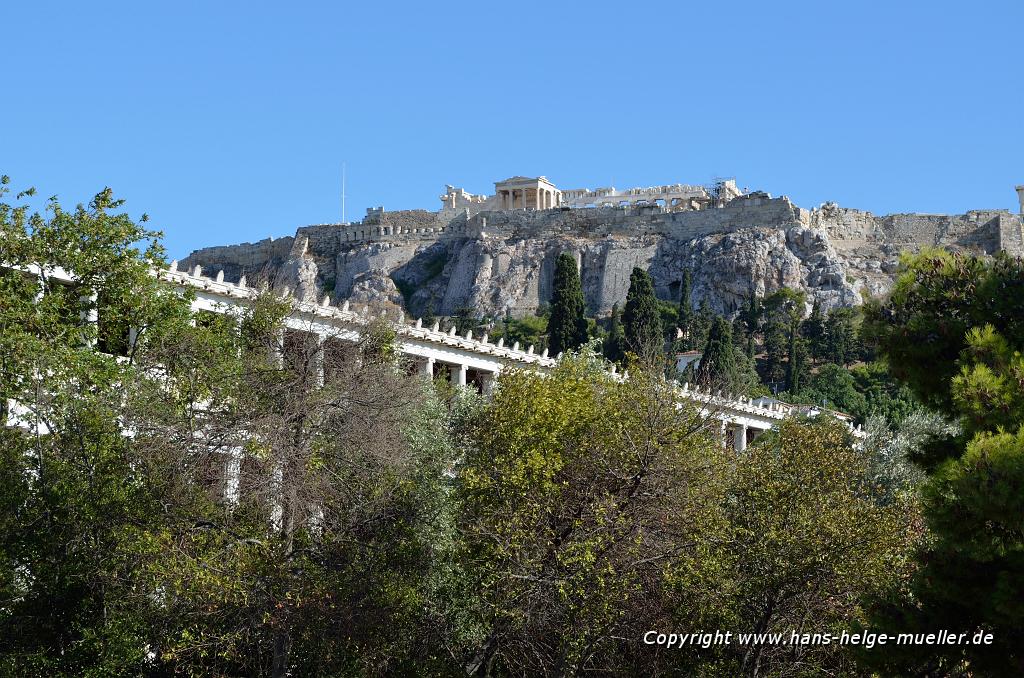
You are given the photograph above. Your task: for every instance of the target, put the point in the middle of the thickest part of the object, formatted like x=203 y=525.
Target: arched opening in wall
x=661 y=202
x=623 y=203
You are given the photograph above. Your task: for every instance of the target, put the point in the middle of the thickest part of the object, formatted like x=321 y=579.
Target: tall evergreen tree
x=641 y=320
x=718 y=364
x=796 y=357
x=685 y=305
x=567 y=326
x=952 y=332
x=613 y=348
x=700 y=325
x=841 y=342
x=814 y=332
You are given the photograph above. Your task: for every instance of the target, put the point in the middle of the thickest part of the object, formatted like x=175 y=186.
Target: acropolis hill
x=494 y=254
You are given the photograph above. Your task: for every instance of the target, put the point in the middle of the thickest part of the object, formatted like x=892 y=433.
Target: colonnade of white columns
x=543 y=198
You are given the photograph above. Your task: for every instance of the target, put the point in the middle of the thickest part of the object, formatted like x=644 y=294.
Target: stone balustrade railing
x=419 y=341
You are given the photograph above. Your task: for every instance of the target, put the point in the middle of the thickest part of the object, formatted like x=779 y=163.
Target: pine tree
x=613 y=348
x=951 y=330
x=718 y=364
x=567 y=326
x=641 y=320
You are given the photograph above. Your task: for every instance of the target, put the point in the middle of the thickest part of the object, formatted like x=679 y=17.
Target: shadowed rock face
x=495 y=277
x=498 y=263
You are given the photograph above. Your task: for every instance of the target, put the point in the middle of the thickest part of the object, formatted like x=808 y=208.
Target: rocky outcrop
x=495 y=276
x=498 y=263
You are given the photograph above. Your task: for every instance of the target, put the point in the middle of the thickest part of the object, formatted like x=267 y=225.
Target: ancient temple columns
x=527 y=193
x=428 y=368
x=460 y=375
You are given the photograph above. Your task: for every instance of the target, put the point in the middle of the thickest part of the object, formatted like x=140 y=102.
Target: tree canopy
x=641 y=321
x=567 y=325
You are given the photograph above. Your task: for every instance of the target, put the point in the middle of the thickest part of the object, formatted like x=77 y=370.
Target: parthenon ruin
x=539 y=193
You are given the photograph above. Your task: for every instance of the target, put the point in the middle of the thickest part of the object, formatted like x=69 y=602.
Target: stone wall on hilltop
x=502 y=262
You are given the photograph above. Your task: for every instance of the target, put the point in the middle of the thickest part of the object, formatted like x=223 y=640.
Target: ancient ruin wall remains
x=856 y=247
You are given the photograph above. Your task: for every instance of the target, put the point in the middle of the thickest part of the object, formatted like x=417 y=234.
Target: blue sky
x=230 y=121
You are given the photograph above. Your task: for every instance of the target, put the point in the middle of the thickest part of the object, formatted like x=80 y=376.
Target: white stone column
x=1020 y=197
x=536 y=198
x=723 y=432
x=739 y=441
x=460 y=377
x=428 y=368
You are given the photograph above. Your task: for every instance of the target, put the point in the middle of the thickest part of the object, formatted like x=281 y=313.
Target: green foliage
x=809 y=538
x=717 y=367
x=685 y=313
x=71 y=481
x=614 y=345
x=699 y=328
x=952 y=330
x=528 y=330
x=567 y=325
x=883 y=395
x=834 y=387
x=841 y=342
x=641 y=321
x=572 y=516
x=813 y=332
x=668 y=313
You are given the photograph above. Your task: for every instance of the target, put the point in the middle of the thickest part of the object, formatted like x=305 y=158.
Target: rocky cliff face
x=495 y=276
x=502 y=263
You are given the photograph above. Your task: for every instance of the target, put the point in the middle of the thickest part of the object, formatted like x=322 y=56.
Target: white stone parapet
x=433 y=346
x=740 y=416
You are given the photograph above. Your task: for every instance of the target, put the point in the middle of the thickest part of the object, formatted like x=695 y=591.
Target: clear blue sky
x=229 y=121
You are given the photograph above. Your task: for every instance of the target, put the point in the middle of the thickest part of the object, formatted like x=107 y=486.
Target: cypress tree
x=814 y=332
x=641 y=320
x=685 y=305
x=567 y=326
x=718 y=364
x=700 y=325
x=793 y=367
x=751 y=315
x=613 y=348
